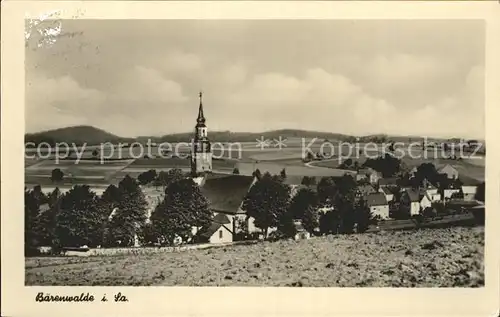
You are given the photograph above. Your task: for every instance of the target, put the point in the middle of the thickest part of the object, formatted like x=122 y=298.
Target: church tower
x=201 y=156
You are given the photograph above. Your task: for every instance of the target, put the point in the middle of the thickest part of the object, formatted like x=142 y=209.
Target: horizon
x=263 y=132
x=142 y=77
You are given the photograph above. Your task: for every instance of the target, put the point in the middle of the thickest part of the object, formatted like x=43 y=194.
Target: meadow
x=451 y=257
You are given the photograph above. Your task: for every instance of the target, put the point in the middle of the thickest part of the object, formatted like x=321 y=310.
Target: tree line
x=118 y=217
x=329 y=208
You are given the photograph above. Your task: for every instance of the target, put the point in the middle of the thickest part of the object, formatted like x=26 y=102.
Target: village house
x=449 y=171
x=387 y=192
x=426 y=200
x=448 y=193
x=218 y=232
x=410 y=201
x=388 y=182
x=364 y=190
x=469 y=187
x=432 y=192
x=378 y=205
x=368 y=174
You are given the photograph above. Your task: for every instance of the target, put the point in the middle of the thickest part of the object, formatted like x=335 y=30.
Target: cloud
x=359 y=77
x=178 y=61
x=55 y=102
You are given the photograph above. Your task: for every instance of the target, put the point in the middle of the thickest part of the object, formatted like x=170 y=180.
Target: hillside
x=76 y=134
x=452 y=257
x=92 y=136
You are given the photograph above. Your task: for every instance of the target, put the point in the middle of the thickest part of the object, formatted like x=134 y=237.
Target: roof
x=413 y=195
x=468 y=181
x=210 y=230
x=387 y=191
x=388 y=181
x=366 y=189
x=225 y=193
x=447 y=169
x=221 y=219
x=377 y=199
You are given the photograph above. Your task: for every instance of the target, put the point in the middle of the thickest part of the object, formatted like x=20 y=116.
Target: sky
x=358 y=77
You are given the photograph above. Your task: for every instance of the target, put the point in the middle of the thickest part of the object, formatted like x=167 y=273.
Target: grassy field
x=424 y=258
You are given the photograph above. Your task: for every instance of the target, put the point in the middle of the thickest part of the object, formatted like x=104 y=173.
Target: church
x=225 y=192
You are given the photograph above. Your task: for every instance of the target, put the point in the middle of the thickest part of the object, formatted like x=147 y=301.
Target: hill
x=77 y=135
x=93 y=136
x=228 y=136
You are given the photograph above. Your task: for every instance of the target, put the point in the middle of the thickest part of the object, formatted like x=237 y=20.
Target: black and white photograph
x=263 y=158
x=303 y=153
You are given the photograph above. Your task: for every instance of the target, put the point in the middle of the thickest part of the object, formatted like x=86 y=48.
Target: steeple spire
x=201 y=117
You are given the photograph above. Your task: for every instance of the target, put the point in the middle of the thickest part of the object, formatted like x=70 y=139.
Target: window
x=220 y=234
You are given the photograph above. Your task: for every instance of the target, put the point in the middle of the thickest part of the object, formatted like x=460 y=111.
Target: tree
x=310 y=156
x=167 y=178
x=326 y=190
x=108 y=201
x=266 y=202
x=57 y=175
x=304 y=198
x=286 y=225
x=388 y=165
x=283 y=173
x=148 y=235
x=329 y=222
x=130 y=215
x=183 y=207
x=79 y=218
x=345 y=201
x=236 y=171
x=480 y=193
x=310 y=218
x=356 y=166
x=47 y=220
x=364 y=217
x=31 y=211
x=147 y=177
x=257 y=174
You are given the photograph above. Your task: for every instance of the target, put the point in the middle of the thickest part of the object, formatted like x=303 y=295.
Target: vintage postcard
x=306 y=158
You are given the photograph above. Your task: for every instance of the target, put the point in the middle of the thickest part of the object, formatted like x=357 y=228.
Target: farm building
x=449 y=170
x=410 y=200
x=378 y=205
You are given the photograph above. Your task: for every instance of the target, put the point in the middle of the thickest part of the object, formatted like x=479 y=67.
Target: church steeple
x=201 y=152
x=201 y=117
